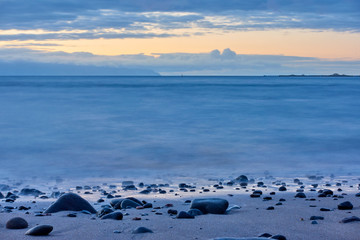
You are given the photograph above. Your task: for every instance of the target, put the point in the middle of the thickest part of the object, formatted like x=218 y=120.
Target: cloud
x=216 y=62
x=103 y=19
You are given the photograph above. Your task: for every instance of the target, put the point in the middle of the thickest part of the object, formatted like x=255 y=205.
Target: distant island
x=332 y=75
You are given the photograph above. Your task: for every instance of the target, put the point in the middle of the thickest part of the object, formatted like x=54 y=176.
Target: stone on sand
x=70 y=202
x=210 y=205
x=345 y=206
x=114 y=216
x=16 y=223
x=141 y=230
x=40 y=230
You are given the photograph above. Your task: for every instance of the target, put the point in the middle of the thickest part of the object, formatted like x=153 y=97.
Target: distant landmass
x=332 y=75
x=23 y=68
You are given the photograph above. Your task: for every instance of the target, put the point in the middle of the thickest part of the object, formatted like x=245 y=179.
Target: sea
x=183 y=126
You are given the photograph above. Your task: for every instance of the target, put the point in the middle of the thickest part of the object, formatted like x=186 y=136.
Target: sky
x=172 y=37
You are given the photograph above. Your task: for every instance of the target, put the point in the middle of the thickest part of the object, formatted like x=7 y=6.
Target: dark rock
x=145 y=191
x=172 y=211
x=104 y=211
x=282 y=189
x=345 y=206
x=113 y=202
x=210 y=205
x=30 y=192
x=195 y=212
x=255 y=195
x=278 y=237
x=183 y=214
x=314 y=222
x=350 y=219
x=148 y=205
x=127 y=183
x=135 y=200
x=265 y=235
x=16 y=223
x=70 y=202
x=325 y=209
x=127 y=203
x=40 y=230
x=300 y=195
x=1 y=196
x=71 y=215
x=316 y=218
x=242 y=178
x=141 y=230
x=4 y=187
x=114 y=216
x=270 y=208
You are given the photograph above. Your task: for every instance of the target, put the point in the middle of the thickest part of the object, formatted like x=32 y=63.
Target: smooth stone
x=141 y=230
x=278 y=237
x=316 y=218
x=184 y=215
x=30 y=192
x=282 y=189
x=325 y=210
x=345 y=206
x=265 y=235
x=127 y=203
x=104 y=211
x=172 y=211
x=70 y=202
x=1 y=196
x=195 y=212
x=210 y=205
x=114 y=202
x=16 y=223
x=114 y=216
x=350 y=219
x=242 y=178
x=300 y=195
x=40 y=230
x=314 y=222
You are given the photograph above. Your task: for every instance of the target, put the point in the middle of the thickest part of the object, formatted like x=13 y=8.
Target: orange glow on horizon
x=303 y=43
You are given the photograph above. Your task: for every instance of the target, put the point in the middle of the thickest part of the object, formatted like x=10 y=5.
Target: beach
x=247 y=216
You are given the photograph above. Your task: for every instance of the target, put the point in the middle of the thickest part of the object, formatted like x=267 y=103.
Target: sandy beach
x=247 y=217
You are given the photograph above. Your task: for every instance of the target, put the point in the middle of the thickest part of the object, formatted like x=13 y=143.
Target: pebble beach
x=245 y=207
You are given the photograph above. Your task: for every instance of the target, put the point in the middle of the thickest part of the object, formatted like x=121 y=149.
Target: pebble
x=300 y=195
x=210 y=205
x=184 y=215
x=141 y=230
x=40 y=230
x=350 y=219
x=127 y=203
x=113 y=215
x=195 y=212
x=16 y=223
x=316 y=218
x=345 y=206
x=70 y=202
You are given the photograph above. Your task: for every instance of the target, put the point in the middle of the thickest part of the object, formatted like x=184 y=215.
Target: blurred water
x=109 y=126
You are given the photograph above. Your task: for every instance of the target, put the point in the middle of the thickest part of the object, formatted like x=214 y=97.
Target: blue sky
x=182 y=37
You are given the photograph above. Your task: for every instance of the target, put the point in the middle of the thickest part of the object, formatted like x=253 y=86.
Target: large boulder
x=210 y=205
x=70 y=202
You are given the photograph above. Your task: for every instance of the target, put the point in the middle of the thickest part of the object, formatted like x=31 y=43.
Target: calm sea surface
x=109 y=126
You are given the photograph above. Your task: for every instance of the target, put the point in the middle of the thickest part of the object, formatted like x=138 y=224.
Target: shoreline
x=290 y=219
